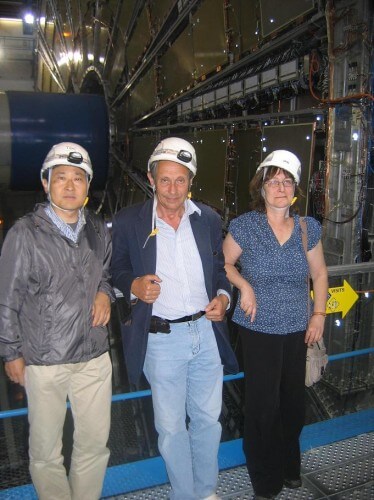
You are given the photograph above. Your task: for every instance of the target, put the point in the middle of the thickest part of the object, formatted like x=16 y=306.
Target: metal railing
x=141 y=394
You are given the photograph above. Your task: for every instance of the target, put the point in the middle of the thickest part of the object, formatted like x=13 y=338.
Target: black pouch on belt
x=159 y=325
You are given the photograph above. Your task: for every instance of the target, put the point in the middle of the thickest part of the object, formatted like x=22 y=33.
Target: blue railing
x=227 y=378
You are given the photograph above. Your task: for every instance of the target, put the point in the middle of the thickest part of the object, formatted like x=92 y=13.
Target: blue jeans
x=185 y=372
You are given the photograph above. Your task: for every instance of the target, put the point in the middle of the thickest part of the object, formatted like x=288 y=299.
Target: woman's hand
x=315 y=328
x=248 y=300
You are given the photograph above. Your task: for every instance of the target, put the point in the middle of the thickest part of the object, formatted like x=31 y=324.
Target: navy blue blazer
x=131 y=259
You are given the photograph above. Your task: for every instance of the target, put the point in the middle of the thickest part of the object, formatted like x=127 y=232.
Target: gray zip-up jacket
x=48 y=285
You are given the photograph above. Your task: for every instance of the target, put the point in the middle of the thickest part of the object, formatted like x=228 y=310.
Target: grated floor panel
x=343 y=470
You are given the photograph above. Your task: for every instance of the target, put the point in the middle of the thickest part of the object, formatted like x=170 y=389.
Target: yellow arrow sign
x=341 y=299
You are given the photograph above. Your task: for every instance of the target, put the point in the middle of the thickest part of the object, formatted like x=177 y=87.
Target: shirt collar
x=190 y=207
x=63 y=227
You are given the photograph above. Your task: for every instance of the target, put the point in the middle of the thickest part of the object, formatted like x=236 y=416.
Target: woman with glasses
x=274 y=319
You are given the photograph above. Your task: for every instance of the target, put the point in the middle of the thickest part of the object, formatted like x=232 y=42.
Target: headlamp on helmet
x=177 y=150
x=70 y=154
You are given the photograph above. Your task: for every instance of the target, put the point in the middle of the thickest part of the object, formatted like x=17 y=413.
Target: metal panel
x=159 y=11
x=236 y=90
x=276 y=15
x=209 y=99
x=177 y=65
x=244 y=20
x=197 y=103
x=222 y=95
x=269 y=78
x=119 y=49
x=251 y=84
x=209 y=39
x=88 y=35
x=288 y=71
x=139 y=40
x=185 y=108
x=208 y=185
x=247 y=146
x=142 y=148
x=142 y=97
x=106 y=12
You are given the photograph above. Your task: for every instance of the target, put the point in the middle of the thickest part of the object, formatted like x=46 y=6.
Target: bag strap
x=304 y=234
x=304 y=238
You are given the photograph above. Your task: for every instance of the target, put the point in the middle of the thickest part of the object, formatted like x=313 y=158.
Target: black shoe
x=292 y=483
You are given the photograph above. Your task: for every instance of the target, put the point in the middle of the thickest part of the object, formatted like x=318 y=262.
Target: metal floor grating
x=338 y=471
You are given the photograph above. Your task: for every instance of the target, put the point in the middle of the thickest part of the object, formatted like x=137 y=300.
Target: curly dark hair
x=257 y=182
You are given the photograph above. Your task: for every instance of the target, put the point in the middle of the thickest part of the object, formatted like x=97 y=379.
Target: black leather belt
x=162 y=325
x=192 y=317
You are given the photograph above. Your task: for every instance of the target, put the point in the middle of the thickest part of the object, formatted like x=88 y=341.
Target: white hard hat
x=177 y=150
x=68 y=153
x=285 y=160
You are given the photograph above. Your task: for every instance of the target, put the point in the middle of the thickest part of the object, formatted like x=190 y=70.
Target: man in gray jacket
x=55 y=300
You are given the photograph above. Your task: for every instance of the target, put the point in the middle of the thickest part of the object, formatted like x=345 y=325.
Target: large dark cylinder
x=31 y=123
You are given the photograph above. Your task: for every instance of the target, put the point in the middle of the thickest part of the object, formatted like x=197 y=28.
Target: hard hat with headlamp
x=177 y=150
x=282 y=159
x=70 y=154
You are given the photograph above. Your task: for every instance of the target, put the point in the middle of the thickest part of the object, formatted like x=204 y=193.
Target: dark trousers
x=274 y=367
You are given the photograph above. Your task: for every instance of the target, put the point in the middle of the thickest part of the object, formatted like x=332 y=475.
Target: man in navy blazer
x=167 y=259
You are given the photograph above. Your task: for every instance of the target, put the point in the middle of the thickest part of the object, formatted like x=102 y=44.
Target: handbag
x=316 y=357
x=316 y=361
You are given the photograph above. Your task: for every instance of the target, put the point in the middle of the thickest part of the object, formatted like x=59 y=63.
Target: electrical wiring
x=313 y=69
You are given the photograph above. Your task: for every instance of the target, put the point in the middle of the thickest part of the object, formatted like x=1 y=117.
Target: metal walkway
x=337 y=463
x=342 y=470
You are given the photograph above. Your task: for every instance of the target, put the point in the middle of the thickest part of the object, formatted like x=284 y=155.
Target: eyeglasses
x=274 y=183
x=184 y=155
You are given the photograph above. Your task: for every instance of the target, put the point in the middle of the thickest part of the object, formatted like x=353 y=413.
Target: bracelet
x=317 y=313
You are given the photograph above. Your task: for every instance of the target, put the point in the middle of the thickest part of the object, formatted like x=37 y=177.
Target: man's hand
x=101 y=310
x=216 y=309
x=16 y=370
x=147 y=288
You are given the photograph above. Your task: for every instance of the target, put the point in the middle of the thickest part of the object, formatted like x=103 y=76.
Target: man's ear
x=150 y=178
x=45 y=185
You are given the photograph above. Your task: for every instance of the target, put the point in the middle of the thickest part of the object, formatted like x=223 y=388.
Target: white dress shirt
x=179 y=267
